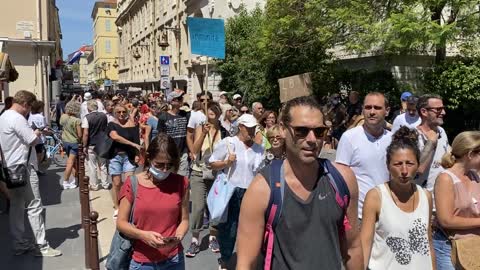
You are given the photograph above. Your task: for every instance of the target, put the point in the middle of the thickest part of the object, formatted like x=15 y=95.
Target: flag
x=77 y=54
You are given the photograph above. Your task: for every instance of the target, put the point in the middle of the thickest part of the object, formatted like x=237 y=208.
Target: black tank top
x=307 y=233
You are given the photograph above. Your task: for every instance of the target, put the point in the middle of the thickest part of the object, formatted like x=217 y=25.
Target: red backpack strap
x=342 y=193
x=273 y=173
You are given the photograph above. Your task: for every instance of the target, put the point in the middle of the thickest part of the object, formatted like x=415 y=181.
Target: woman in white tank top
x=396 y=231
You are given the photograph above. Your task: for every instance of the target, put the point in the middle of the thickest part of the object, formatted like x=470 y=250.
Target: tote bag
x=219 y=196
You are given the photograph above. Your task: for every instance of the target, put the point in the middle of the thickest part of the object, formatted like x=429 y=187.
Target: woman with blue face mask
x=160 y=217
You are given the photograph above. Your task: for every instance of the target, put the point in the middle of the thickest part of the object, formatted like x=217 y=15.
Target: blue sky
x=76 y=24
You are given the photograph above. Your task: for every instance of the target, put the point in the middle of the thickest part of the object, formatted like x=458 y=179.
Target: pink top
x=467 y=203
x=157 y=209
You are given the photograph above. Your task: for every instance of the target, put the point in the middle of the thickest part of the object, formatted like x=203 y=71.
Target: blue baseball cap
x=405 y=95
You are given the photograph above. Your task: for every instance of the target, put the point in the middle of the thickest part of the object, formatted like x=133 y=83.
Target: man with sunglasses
x=432 y=139
x=307 y=232
x=364 y=148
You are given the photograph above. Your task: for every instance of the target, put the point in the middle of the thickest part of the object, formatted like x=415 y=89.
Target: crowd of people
x=394 y=195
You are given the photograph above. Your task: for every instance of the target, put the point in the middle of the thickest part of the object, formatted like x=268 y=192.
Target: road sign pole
x=206 y=86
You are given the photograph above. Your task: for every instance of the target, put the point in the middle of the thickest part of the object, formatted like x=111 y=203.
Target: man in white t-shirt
x=364 y=148
x=410 y=117
x=17 y=139
x=432 y=139
x=197 y=117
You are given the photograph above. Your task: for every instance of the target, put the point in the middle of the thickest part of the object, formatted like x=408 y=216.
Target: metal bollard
x=94 y=260
x=85 y=201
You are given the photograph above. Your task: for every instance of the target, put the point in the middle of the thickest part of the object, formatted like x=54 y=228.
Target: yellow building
x=105 y=40
x=30 y=34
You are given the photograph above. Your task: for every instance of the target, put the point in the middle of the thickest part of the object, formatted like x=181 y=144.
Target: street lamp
x=104 y=66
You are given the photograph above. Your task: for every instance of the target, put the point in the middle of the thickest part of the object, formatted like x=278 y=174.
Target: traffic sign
x=164 y=83
x=165 y=70
x=164 y=60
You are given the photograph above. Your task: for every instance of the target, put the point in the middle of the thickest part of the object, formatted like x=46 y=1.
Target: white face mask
x=159 y=175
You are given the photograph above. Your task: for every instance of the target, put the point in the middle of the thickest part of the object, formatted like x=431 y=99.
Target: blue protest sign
x=207 y=37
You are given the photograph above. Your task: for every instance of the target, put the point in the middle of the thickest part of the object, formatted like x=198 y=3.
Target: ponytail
x=448 y=160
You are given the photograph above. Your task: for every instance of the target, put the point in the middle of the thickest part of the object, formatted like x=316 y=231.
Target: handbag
x=207 y=172
x=104 y=148
x=219 y=196
x=121 y=248
x=17 y=175
x=465 y=253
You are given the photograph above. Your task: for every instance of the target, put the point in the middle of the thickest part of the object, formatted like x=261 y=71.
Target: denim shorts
x=120 y=164
x=70 y=148
x=443 y=249
x=177 y=262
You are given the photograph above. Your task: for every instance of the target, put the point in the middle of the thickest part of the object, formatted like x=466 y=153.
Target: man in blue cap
x=403 y=108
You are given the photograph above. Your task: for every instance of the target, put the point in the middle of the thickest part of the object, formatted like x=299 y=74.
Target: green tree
x=242 y=71
x=457 y=81
x=408 y=26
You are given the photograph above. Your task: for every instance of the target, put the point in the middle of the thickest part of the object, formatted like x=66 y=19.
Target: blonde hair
x=274 y=129
x=462 y=145
x=73 y=108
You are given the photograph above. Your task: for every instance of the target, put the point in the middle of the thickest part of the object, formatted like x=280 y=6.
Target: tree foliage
x=409 y=26
x=457 y=81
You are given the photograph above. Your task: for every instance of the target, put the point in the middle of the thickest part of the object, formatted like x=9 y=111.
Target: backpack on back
x=274 y=175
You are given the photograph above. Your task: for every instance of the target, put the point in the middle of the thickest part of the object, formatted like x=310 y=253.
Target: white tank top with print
x=401 y=238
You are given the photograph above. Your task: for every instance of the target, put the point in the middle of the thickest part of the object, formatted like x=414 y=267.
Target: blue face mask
x=159 y=175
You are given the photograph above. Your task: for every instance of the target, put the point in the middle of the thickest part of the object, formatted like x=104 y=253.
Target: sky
x=76 y=24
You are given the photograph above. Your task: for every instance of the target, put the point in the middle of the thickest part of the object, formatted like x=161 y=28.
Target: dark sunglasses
x=302 y=132
x=163 y=166
x=271 y=138
x=244 y=111
x=437 y=110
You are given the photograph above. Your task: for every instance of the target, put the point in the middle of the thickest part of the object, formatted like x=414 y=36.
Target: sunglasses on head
x=302 y=132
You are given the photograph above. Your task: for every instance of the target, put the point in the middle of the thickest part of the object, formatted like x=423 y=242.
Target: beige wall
x=105 y=40
x=16 y=11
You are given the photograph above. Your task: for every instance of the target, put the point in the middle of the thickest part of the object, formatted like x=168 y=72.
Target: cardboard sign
x=295 y=86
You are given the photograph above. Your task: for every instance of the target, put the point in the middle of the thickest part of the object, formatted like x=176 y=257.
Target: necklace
x=393 y=198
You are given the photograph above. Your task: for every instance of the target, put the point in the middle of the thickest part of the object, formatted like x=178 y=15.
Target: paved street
x=64 y=231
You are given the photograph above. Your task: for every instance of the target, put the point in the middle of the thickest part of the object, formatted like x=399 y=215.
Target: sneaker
x=69 y=185
x=214 y=246
x=107 y=187
x=115 y=214
x=193 y=250
x=24 y=249
x=47 y=252
x=94 y=188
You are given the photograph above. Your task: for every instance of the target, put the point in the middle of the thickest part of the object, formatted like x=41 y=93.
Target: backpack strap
x=134 y=185
x=342 y=193
x=274 y=175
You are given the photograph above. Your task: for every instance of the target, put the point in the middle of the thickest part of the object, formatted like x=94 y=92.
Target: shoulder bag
x=121 y=248
x=219 y=196
x=17 y=175
x=465 y=250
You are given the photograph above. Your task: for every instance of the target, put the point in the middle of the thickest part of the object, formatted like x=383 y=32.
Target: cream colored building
x=30 y=33
x=149 y=29
x=105 y=39
x=83 y=66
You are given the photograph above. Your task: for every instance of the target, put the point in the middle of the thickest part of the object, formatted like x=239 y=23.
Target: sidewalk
x=63 y=229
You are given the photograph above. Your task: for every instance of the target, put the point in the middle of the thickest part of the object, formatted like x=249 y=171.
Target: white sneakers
x=71 y=184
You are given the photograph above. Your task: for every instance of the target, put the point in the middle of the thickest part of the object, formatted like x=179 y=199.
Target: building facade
x=83 y=66
x=31 y=35
x=149 y=29
x=105 y=40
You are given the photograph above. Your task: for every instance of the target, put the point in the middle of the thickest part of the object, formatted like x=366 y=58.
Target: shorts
x=70 y=148
x=39 y=148
x=120 y=164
